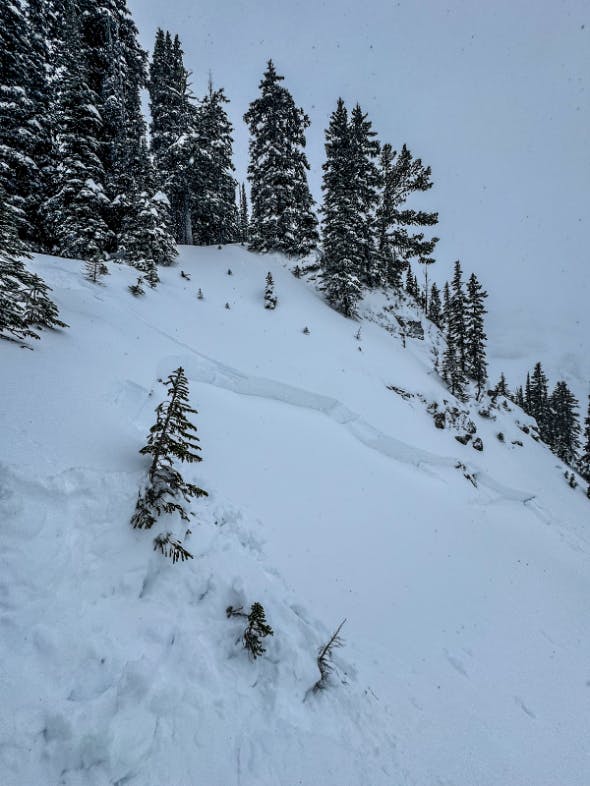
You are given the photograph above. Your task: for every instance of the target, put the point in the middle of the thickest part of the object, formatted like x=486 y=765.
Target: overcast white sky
x=493 y=94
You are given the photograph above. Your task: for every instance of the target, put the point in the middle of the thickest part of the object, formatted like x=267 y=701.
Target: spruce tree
x=402 y=175
x=174 y=131
x=172 y=437
x=282 y=217
x=537 y=400
x=475 y=337
x=78 y=202
x=340 y=268
x=446 y=309
x=270 y=298
x=214 y=212
x=501 y=388
x=18 y=172
x=562 y=427
x=457 y=317
x=244 y=220
x=364 y=185
x=435 y=306
x=24 y=300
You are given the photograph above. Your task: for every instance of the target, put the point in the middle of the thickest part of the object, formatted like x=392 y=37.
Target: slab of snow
x=331 y=496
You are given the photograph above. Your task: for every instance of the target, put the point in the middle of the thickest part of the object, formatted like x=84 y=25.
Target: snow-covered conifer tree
x=402 y=175
x=270 y=298
x=341 y=243
x=214 y=210
x=282 y=217
x=475 y=337
x=172 y=437
x=78 y=202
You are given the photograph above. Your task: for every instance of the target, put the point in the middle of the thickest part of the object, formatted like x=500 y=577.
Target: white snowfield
x=467 y=642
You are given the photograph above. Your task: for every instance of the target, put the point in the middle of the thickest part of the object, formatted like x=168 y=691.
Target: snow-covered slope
x=463 y=575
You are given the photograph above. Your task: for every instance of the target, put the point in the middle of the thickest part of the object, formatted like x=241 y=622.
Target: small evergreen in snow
x=270 y=299
x=256 y=630
x=172 y=438
x=137 y=289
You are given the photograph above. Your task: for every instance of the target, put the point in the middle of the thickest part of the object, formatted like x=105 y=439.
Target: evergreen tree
x=402 y=176
x=364 y=185
x=282 y=217
x=435 y=306
x=171 y=437
x=174 y=131
x=452 y=372
x=340 y=241
x=457 y=317
x=519 y=397
x=24 y=300
x=270 y=299
x=585 y=457
x=446 y=309
x=18 y=172
x=256 y=630
x=146 y=238
x=214 y=217
x=75 y=210
x=475 y=346
x=244 y=221
x=501 y=388
x=537 y=400
x=562 y=427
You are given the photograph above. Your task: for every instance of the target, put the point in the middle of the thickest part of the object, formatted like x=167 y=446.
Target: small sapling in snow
x=256 y=629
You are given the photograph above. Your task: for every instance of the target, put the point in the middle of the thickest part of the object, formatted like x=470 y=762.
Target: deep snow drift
x=465 y=588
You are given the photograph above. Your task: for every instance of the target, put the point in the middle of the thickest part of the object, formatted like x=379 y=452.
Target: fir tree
x=537 y=400
x=282 y=217
x=75 y=210
x=519 y=398
x=256 y=629
x=244 y=220
x=435 y=306
x=270 y=299
x=402 y=176
x=452 y=373
x=137 y=288
x=501 y=388
x=214 y=217
x=174 y=131
x=364 y=185
x=457 y=317
x=18 y=172
x=24 y=299
x=340 y=268
x=171 y=438
x=446 y=309
x=561 y=424
x=475 y=337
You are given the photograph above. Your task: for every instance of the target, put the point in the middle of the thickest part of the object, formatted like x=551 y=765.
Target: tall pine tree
x=562 y=427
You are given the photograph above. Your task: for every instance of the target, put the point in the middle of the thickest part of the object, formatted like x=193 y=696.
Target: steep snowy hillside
x=463 y=574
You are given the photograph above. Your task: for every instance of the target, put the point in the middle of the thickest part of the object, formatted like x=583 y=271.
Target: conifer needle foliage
x=256 y=629
x=172 y=437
